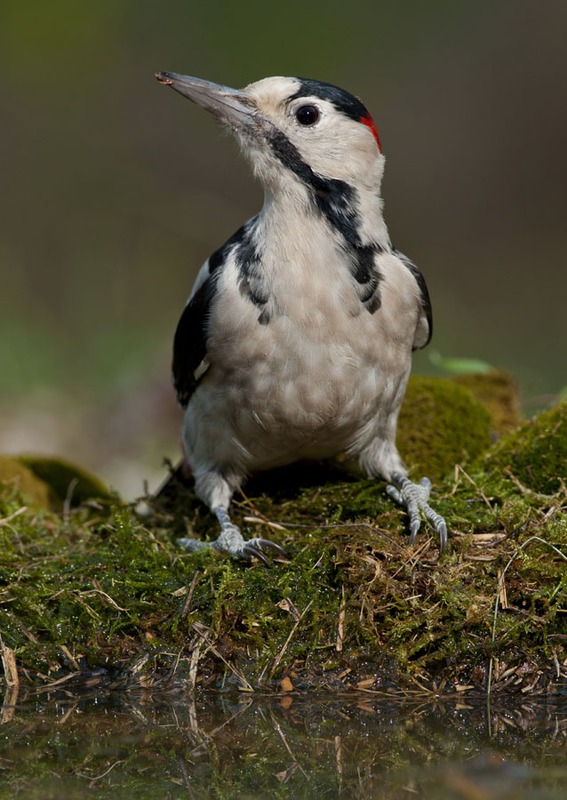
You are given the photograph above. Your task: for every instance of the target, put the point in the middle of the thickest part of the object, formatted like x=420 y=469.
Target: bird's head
x=294 y=128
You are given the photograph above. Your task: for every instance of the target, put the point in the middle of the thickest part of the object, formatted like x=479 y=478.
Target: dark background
x=114 y=190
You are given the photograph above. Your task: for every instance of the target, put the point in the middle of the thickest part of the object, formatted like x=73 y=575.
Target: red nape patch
x=369 y=122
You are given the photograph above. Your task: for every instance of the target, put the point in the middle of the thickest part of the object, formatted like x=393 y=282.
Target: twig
x=190 y=595
x=70 y=657
x=459 y=469
x=99 y=590
x=339 y=758
x=8 y=709
x=10 y=517
x=502 y=596
x=94 y=778
x=186 y=777
x=68 y=498
x=526 y=491
x=280 y=655
x=194 y=665
x=12 y=683
x=414 y=557
x=488 y=539
x=49 y=686
x=201 y=631
x=9 y=663
x=173 y=669
x=556 y=663
x=341 y=622
x=67 y=714
x=280 y=733
x=260 y=521
x=212 y=734
x=259 y=518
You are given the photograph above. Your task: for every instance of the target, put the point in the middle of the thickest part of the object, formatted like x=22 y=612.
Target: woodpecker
x=296 y=340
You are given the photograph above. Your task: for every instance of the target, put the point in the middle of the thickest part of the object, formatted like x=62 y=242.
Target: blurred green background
x=114 y=191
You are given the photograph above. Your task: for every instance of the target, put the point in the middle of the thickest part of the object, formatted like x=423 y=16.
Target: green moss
x=353 y=599
x=440 y=425
x=67 y=481
x=536 y=452
x=498 y=392
x=16 y=476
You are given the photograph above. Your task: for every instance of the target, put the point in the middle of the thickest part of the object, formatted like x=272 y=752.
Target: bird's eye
x=307 y=115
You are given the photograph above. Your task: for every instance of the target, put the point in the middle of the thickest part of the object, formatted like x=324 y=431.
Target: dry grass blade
x=280 y=655
x=488 y=539
x=69 y=657
x=287 y=605
x=502 y=596
x=12 y=679
x=281 y=734
x=190 y=593
x=194 y=665
x=9 y=663
x=8 y=709
x=94 y=778
x=261 y=521
x=10 y=517
x=460 y=471
x=341 y=622
x=203 y=632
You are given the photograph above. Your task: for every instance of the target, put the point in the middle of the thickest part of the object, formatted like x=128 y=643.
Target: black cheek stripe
x=335 y=200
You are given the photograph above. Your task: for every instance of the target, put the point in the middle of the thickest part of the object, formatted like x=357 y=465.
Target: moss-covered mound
x=536 y=453
x=498 y=392
x=51 y=482
x=441 y=424
x=15 y=475
x=67 y=482
x=99 y=592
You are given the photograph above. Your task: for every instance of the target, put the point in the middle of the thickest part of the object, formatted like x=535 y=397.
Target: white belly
x=286 y=392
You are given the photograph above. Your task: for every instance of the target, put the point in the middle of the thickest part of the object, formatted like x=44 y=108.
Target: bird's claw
x=415 y=496
x=232 y=542
x=257 y=547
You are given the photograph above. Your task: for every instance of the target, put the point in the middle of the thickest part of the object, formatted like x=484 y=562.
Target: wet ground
x=56 y=744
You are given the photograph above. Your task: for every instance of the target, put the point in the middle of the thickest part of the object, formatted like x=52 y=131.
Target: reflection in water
x=126 y=745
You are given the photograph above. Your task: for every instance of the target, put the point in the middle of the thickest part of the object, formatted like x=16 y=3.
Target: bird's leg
x=415 y=496
x=231 y=541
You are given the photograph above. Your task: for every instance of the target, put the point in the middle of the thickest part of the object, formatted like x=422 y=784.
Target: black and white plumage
x=296 y=341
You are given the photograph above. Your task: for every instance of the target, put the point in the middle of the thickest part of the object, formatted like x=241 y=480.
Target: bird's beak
x=231 y=106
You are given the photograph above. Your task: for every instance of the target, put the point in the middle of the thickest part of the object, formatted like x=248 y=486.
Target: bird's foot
x=231 y=541
x=415 y=496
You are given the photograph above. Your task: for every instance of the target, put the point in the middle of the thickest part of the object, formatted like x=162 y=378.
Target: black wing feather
x=424 y=298
x=190 y=341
